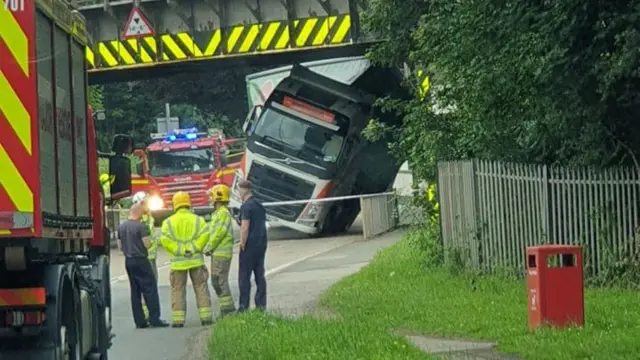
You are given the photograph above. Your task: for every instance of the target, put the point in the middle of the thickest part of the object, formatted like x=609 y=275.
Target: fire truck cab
x=183 y=160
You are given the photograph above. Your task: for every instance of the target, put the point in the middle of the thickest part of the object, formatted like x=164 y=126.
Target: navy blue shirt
x=131 y=233
x=253 y=211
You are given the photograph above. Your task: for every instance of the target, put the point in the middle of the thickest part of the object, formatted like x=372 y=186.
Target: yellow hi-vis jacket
x=106 y=189
x=181 y=232
x=221 y=235
x=147 y=219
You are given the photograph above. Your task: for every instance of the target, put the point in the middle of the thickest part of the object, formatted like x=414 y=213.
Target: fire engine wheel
x=67 y=350
x=68 y=336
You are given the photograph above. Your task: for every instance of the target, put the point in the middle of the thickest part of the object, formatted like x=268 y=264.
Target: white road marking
x=124 y=277
x=267 y=273
x=305 y=258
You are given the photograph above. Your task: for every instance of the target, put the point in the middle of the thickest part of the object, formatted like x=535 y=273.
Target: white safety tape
x=322 y=200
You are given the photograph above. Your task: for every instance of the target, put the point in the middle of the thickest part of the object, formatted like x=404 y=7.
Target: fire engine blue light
x=192 y=136
x=171 y=138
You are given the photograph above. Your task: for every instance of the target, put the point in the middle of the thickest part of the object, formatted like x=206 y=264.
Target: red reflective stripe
x=22 y=297
x=308 y=109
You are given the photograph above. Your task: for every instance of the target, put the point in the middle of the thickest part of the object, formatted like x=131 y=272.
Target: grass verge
x=399 y=291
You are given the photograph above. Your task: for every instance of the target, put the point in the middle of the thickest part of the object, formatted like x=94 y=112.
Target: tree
x=550 y=82
x=204 y=100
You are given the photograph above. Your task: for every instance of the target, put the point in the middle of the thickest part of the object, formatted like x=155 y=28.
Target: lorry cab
x=301 y=145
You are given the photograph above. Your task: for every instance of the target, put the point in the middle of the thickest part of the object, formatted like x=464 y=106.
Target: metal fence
x=379 y=214
x=491 y=211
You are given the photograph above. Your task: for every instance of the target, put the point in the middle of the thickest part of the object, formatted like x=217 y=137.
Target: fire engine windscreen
x=300 y=138
x=179 y=162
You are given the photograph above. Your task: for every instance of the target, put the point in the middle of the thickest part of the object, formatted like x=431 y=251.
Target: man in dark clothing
x=253 y=248
x=133 y=240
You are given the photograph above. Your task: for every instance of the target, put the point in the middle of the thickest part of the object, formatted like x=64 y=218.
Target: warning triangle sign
x=137 y=25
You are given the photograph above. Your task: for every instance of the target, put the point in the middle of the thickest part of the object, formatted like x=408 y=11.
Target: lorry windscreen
x=180 y=162
x=299 y=138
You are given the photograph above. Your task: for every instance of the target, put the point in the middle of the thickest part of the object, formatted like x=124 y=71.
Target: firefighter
x=141 y=198
x=184 y=236
x=106 y=184
x=220 y=247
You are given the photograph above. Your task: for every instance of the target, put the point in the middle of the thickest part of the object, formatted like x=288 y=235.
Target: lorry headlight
x=235 y=192
x=236 y=180
x=311 y=212
x=155 y=203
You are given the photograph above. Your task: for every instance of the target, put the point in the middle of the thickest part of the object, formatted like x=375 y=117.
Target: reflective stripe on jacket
x=147 y=219
x=221 y=236
x=181 y=232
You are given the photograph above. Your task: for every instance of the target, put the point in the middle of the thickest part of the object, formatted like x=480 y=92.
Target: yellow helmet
x=104 y=178
x=181 y=199
x=220 y=193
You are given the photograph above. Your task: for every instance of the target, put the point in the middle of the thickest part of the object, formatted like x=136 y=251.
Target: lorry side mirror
x=120 y=173
x=122 y=144
x=251 y=119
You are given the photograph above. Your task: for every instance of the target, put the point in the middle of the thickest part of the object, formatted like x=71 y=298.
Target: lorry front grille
x=269 y=185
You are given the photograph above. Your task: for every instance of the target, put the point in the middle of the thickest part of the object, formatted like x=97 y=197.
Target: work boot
x=159 y=324
x=207 y=322
x=177 y=326
x=224 y=313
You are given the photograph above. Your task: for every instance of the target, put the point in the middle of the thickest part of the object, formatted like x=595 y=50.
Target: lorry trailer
x=304 y=141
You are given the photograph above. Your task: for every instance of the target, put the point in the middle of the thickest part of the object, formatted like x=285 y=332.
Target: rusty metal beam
x=175 y=7
x=255 y=11
x=326 y=6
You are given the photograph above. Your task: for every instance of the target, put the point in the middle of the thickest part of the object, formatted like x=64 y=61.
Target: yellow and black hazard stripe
x=316 y=31
x=127 y=52
x=278 y=35
x=183 y=45
x=91 y=57
x=239 y=39
x=242 y=39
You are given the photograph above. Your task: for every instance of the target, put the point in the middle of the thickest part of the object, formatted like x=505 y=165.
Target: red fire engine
x=185 y=160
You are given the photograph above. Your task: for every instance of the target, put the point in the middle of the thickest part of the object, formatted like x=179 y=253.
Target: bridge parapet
x=187 y=30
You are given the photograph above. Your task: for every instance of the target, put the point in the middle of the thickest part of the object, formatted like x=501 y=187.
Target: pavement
x=299 y=269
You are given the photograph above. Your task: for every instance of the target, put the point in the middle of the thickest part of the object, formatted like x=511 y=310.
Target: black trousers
x=143 y=283
x=252 y=262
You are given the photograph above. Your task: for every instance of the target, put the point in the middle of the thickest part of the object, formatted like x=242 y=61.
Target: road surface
x=298 y=270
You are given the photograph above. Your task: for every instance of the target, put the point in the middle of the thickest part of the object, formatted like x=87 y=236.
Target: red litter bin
x=555 y=285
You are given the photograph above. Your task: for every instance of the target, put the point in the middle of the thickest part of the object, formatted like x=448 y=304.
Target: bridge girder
x=196 y=30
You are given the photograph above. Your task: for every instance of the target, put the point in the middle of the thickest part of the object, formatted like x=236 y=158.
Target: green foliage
x=96 y=98
x=427 y=240
x=204 y=100
x=549 y=82
x=403 y=293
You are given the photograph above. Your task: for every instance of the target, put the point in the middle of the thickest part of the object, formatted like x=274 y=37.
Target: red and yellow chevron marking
x=225 y=171
x=23 y=297
x=18 y=161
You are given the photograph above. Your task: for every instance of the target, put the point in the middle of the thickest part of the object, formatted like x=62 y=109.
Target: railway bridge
x=192 y=34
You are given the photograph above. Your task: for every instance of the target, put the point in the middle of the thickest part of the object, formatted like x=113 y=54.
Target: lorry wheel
x=341 y=217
